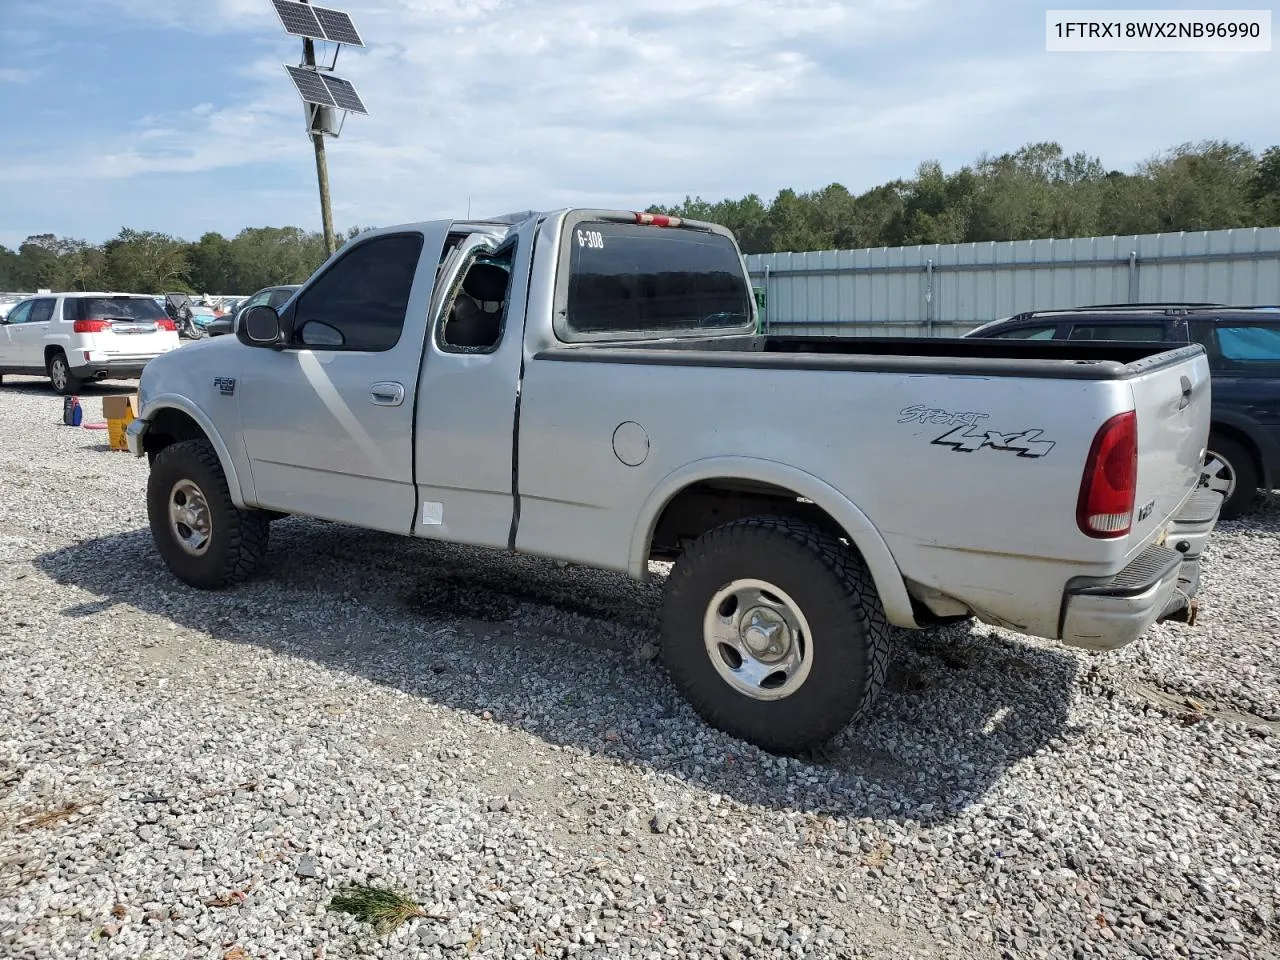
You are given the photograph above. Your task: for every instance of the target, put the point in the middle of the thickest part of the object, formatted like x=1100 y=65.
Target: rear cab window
x=627 y=281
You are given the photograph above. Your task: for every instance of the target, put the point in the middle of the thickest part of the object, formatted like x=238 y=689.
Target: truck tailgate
x=1172 y=401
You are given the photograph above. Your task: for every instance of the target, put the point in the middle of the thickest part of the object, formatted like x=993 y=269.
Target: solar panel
x=310 y=87
x=344 y=94
x=337 y=26
x=299 y=19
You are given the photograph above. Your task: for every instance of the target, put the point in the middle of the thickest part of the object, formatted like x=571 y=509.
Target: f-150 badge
x=968 y=439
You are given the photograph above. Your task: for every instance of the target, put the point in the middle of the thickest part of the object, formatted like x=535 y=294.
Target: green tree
x=212 y=267
x=143 y=261
x=1264 y=188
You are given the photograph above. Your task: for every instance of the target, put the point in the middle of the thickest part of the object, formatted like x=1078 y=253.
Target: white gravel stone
x=489 y=735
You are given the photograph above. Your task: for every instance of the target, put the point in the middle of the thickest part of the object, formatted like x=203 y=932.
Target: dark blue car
x=1243 y=344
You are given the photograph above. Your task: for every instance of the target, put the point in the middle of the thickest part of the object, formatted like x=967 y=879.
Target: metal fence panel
x=946 y=290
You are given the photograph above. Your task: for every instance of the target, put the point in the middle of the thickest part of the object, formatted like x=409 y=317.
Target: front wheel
x=64 y=382
x=772 y=629
x=204 y=538
x=1230 y=470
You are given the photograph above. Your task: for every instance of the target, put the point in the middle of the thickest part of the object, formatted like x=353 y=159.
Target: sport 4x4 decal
x=1025 y=443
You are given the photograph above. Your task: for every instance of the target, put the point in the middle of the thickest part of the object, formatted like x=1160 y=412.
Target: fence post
x=928 y=299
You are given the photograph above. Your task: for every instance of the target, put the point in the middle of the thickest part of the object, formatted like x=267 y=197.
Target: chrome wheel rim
x=189 y=518
x=758 y=639
x=58 y=373
x=1217 y=475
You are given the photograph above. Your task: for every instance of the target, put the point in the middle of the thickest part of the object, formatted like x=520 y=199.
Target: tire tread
x=857 y=597
x=247 y=531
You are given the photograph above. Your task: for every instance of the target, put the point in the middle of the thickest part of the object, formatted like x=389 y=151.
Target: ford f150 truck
x=590 y=386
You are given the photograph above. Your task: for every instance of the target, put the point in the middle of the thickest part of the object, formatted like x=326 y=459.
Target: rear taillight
x=1110 y=484
x=166 y=324
x=657 y=220
x=91 y=326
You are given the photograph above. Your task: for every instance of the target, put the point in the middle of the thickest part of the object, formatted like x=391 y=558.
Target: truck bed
x=953 y=356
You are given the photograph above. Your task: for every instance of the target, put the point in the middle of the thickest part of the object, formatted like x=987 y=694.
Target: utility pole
x=322 y=166
x=324 y=95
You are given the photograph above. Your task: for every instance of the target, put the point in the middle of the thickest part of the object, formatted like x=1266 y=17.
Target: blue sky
x=176 y=115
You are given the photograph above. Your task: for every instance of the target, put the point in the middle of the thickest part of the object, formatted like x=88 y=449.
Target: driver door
x=327 y=419
x=8 y=348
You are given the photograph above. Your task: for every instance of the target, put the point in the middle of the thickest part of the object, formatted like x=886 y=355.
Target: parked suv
x=74 y=337
x=1243 y=344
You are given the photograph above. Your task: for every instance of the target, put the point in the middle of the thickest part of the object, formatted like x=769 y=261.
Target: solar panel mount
x=299 y=19
x=337 y=26
x=310 y=86
x=344 y=94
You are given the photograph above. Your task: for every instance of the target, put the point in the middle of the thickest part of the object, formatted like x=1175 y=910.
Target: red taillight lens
x=1110 y=484
x=166 y=324
x=91 y=326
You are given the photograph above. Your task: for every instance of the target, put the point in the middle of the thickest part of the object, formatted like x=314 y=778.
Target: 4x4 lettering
x=1025 y=443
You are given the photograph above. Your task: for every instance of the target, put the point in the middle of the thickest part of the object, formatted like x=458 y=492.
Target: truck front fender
x=157 y=405
x=861 y=532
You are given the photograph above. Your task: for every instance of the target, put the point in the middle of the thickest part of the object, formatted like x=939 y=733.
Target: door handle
x=387 y=394
x=1186 y=394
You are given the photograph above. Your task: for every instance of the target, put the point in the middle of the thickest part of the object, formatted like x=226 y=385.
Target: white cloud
x=18 y=75
x=540 y=103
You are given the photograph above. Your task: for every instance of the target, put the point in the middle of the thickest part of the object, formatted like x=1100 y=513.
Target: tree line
x=1035 y=191
x=144 y=261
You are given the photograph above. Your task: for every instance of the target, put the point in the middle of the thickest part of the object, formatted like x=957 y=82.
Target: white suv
x=74 y=337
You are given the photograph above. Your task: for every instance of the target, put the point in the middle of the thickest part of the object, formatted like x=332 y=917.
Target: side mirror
x=219 y=327
x=259 y=327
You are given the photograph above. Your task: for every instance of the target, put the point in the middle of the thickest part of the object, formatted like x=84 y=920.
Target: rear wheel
x=204 y=538
x=63 y=380
x=772 y=629
x=1230 y=470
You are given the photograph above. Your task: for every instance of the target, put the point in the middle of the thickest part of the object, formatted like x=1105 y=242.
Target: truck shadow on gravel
x=566 y=654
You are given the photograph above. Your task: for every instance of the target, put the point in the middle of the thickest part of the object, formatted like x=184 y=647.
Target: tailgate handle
x=1186 y=394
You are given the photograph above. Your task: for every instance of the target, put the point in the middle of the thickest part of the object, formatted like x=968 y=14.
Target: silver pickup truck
x=590 y=386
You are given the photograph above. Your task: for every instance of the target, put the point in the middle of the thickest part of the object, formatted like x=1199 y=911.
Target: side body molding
x=856 y=525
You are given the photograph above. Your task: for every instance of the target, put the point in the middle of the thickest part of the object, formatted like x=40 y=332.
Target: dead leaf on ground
x=879 y=856
x=232 y=898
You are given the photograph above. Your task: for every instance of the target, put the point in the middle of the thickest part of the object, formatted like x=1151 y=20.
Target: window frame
x=1164 y=325
x=560 y=320
x=51 y=301
x=1220 y=361
x=292 y=327
x=29 y=303
x=1006 y=333
x=469 y=260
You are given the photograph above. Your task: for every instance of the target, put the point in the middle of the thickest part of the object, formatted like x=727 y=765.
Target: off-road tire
x=238 y=540
x=72 y=384
x=829 y=583
x=1241 y=463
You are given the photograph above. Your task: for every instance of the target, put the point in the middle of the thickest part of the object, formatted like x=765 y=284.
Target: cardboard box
x=119 y=412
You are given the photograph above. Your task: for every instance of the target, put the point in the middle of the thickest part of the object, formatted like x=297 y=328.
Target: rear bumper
x=1160 y=582
x=1106 y=614
x=126 y=369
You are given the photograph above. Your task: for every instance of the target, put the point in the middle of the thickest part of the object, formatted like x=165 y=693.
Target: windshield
x=627 y=278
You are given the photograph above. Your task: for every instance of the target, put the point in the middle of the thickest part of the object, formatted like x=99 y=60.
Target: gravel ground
x=186 y=774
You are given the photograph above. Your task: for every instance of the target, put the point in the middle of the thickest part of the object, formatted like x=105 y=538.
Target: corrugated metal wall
x=946 y=290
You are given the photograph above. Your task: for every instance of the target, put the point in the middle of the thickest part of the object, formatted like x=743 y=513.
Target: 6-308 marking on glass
x=590 y=238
